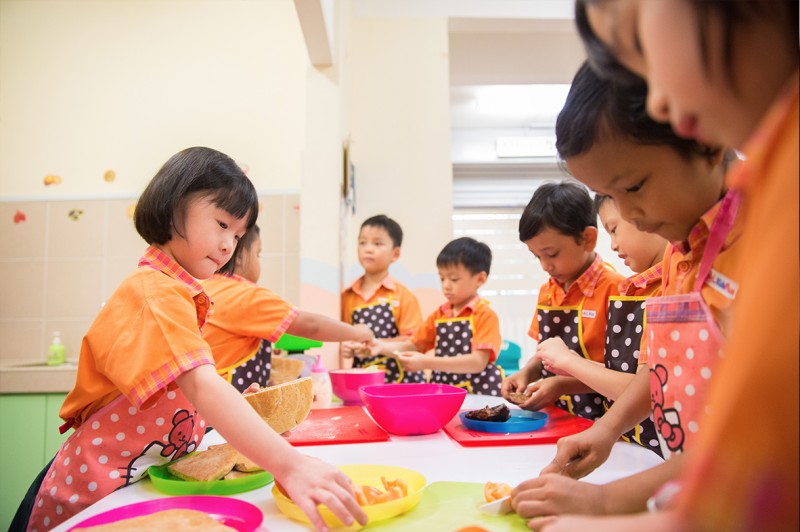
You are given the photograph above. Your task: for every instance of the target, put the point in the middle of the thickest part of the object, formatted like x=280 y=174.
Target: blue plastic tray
x=520 y=421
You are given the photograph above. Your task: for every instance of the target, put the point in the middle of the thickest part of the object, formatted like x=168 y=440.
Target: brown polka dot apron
x=685 y=345
x=454 y=338
x=623 y=337
x=380 y=318
x=112 y=449
x=566 y=323
x=256 y=369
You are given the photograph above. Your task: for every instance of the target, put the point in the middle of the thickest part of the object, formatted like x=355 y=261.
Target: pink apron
x=454 y=338
x=380 y=318
x=685 y=345
x=112 y=449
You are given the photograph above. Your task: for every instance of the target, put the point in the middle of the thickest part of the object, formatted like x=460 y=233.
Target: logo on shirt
x=722 y=284
x=587 y=313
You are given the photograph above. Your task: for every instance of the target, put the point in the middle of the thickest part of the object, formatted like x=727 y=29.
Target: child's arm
x=559 y=359
x=319 y=327
x=474 y=362
x=308 y=481
x=392 y=346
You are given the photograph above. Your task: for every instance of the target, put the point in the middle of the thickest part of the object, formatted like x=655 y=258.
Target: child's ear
x=395 y=253
x=589 y=238
x=481 y=278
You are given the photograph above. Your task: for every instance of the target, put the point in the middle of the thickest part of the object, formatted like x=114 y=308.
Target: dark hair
x=731 y=13
x=391 y=227
x=599 y=200
x=244 y=245
x=597 y=106
x=565 y=206
x=473 y=255
x=194 y=171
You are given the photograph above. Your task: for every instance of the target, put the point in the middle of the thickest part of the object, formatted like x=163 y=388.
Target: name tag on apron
x=588 y=313
x=722 y=284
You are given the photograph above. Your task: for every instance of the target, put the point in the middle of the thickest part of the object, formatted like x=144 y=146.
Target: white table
x=435 y=455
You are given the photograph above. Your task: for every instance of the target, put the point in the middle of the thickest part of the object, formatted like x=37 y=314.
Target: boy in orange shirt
x=378 y=300
x=559 y=227
x=464 y=332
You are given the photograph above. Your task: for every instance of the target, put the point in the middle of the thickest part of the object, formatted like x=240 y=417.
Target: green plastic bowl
x=165 y=482
x=295 y=344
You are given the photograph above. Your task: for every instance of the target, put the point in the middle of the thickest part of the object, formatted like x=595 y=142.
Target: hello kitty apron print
x=113 y=449
x=626 y=319
x=454 y=338
x=685 y=345
x=565 y=322
x=380 y=318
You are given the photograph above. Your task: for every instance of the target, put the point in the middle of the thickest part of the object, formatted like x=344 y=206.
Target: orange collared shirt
x=750 y=439
x=405 y=305
x=485 y=327
x=643 y=284
x=144 y=337
x=592 y=289
x=244 y=313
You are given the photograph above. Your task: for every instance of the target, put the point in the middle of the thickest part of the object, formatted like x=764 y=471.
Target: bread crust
x=284 y=406
x=204 y=466
x=166 y=520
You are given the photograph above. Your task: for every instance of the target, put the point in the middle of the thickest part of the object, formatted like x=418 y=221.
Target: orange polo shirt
x=244 y=313
x=405 y=306
x=682 y=263
x=750 y=440
x=145 y=336
x=592 y=289
x=485 y=327
x=643 y=284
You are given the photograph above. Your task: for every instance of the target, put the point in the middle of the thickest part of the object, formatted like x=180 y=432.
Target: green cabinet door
x=30 y=439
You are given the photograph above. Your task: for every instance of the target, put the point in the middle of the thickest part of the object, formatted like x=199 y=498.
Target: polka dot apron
x=113 y=449
x=454 y=338
x=684 y=347
x=380 y=318
x=565 y=323
x=256 y=369
x=623 y=337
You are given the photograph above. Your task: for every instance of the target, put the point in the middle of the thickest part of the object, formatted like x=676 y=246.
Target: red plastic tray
x=330 y=426
x=559 y=424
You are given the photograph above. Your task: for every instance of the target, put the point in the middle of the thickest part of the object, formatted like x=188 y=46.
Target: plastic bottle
x=56 y=352
x=321 y=384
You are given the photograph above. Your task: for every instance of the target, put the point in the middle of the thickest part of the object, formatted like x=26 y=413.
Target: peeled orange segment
x=496 y=490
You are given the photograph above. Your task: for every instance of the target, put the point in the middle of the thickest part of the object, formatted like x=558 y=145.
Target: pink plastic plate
x=234 y=513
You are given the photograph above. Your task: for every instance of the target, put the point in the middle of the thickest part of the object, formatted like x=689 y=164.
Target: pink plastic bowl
x=346 y=382
x=411 y=409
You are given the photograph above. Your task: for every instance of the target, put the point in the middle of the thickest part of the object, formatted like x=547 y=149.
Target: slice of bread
x=168 y=520
x=246 y=465
x=284 y=406
x=233 y=475
x=204 y=466
x=284 y=370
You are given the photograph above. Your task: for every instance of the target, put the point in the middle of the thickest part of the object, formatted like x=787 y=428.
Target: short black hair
x=244 y=245
x=565 y=207
x=599 y=200
x=473 y=255
x=391 y=227
x=596 y=106
x=193 y=172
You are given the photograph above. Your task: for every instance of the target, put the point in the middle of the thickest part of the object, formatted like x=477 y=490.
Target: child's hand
x=543 y=392
x=253 y=388
x=348 y=349
x=552 y=494
x=580 y=454
x=310 y=482
x=516 y=383
x=555 y=356
x=412 y=361
x=365 y=333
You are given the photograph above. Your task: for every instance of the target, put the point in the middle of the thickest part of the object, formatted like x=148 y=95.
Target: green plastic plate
x=171 y=485
x=291 y=343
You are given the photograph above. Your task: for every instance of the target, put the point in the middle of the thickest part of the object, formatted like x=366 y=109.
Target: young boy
x=378 y=300
x=465 y=332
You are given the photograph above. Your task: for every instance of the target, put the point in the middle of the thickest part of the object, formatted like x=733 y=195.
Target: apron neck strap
x=718 y=234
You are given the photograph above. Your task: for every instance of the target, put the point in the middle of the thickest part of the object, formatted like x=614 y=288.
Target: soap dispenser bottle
x=56 y=352
x=321 y=384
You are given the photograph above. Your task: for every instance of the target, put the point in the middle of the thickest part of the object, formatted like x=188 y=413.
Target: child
x=671 y=186
x=559 y=227
x=642 y=252
x=747 y=98
x=145 y=374
x=468 y=360
x=247 y=318
x=378 y=300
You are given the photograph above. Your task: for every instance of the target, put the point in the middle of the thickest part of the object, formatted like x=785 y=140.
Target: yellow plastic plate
x=366 y=475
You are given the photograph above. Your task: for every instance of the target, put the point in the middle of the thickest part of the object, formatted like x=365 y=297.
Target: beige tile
x=21 y=341
x=23 y=286
x=291 y=264
x=25 y=239
x=80 y=237
x=272 y=273
x=73 y=288
x=72 y=333
x=122 y=240
x=271 y=222
x=292 y=224
x=116 y=270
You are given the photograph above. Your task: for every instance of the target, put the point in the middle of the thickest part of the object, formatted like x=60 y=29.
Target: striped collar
x=158 y=260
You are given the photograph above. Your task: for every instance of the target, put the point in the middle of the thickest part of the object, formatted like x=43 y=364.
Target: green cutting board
x=448 y=506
